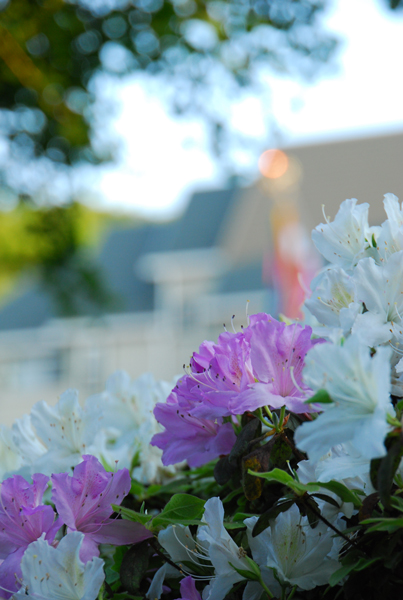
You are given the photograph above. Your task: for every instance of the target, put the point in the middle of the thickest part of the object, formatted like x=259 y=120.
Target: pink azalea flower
x=260 y=365
x=227 y=373
x=187 y=437
x=277 y=355
x=188 y=589
x=23 y=519
x=84 y=500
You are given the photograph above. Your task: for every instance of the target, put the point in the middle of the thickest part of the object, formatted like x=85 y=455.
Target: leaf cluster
x=56 y=246
x=50 y=52
x=371 y=559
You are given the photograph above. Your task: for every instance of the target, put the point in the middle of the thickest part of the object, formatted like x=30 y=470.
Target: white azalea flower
x=29 y=447
x=214 y=550
x=359 y=386
x=126 y=404
x=298 y=554
x=397 y=366
x=332 y=301
x=180 y=546
x=128 y=424
x=66 y=430
x=151 y=469
x=390 y=238
x=221 y=550
x=393 y=210
x=345 y=240
x=10 y=460
x=342 y=463
x=380 y=288
x=58 y=573
x=156 y=586
x=178 y=542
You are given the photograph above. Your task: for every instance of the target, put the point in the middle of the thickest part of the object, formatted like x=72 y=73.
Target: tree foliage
x=55 y=245
x=50 y=51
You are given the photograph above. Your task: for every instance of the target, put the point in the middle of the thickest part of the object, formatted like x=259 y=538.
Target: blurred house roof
x=235 y=222
x=199 y=228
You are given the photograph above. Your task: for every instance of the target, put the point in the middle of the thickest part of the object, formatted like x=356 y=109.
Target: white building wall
x=40 y=364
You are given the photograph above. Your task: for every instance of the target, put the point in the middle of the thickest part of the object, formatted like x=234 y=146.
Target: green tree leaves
x=50 y=53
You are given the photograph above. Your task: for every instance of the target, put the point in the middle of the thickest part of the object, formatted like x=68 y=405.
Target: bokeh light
x=273 y=163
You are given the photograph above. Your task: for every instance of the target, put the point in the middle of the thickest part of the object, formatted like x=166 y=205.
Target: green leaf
x=342 y=491
x=326 y=498
x=200 y=472
x=264 y=520
x=126 y=596
x=359 y=565
x=252 y=486
x=252 y=575
x=399 y=409
x=397 y=502
x=224 y=470
x=321 y=397
x=383 y=470
x=232 y=495
x=173 y=487
x=253 y=566
x=389 y=525
x=280 y=476
x=118 y=557
x=131 y=515
x=234 y=525
x=183 y=509
x=311 y=509
x=259 y=461
x=134 y=567
x=137 y=489
x=251 y=430
x=111 y=575
x=241 y=516
x=280 y=452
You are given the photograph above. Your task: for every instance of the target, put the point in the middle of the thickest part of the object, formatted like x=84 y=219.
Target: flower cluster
x=83 y=503
x=358 y=296
x=116 y=426
x=60 y=448
x=259 y=366
x=293 y=438
x=315 y=411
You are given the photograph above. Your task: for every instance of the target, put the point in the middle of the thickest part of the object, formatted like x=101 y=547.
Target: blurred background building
x=178 y=282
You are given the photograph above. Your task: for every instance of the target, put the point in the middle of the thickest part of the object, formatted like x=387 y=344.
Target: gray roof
x=202 y=222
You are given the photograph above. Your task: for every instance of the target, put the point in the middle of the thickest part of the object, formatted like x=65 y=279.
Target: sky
x=155 y=175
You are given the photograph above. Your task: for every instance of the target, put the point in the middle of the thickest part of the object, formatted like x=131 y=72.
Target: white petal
x=359 y=386
x=156 y=587
x=177 y=541
x=58 y=573
x=10 y=460
x=380 y=288
x=393 y=210
x=343 y=241
x=333 y=291
x=298 y=553
x=29 y=446
x=67 y=432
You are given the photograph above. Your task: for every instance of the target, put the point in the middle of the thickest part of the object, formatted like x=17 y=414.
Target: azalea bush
x=272 y=468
